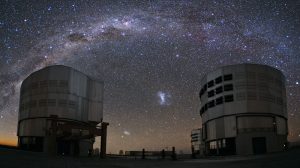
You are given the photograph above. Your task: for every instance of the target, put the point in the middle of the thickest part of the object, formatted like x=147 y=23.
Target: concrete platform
x=10 y=158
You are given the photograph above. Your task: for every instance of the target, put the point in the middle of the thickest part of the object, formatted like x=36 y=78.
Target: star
x=150 y=55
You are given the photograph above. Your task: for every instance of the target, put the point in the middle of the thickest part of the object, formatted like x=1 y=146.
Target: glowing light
x=163 y=98
x=126 y=23
x=126 y=133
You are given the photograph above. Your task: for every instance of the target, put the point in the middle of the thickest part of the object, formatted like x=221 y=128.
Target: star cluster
x=151 y=56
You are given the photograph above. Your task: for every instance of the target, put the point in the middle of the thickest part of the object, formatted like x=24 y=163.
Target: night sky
x=151 y=56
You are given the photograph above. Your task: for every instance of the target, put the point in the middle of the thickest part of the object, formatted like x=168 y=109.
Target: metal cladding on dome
x=243 y=110
x=62 y=91
x=61 y=98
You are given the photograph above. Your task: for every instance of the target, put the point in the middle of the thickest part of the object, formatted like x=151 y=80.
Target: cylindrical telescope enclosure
x=243 y=110
x=60 y=92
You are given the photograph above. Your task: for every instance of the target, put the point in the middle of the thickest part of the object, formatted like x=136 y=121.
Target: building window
x=219 y=89
x=213 y=145
x=219 y=142
x=228 y=87
x=228 y=98
x=219 y=100
x=205 y=107
x=211 y=104
x=227 y=77
x=218 y=80
x=211 y=93
x=223 y=143
x=210 y=84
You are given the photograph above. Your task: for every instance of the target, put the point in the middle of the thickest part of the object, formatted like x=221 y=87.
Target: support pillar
x=173 y=153
x=193 y=152
x=163 y=154
x=103 y=139
x=218 y=147
x=143 y=153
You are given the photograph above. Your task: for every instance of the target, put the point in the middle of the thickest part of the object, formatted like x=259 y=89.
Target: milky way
x=151 y=56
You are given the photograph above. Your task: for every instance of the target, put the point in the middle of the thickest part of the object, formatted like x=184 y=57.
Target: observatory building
x=196 y=142
x=60 y=112
x=243 y=110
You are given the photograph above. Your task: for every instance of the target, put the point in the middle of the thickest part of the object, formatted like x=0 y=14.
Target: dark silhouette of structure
x=61 y=112
x=174 y=155
x=143 y=154
x=163 y=154
x=197 y=144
